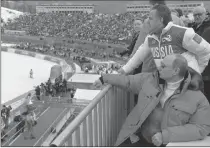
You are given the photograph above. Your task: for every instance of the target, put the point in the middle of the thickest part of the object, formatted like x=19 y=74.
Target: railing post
x=83 y=133
x=104 y=122
x=90 y=130
x=107 y=99
x=99 y=124
x=95 y=124
x=77 y=135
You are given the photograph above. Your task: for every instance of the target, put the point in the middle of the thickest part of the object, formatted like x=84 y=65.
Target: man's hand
x=121 y=71
x=157 y=139
x=134 y=138
x=97 y=84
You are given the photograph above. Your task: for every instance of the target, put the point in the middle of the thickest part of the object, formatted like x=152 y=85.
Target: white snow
x=7 y=45
x=7 y=13
x=15 y=74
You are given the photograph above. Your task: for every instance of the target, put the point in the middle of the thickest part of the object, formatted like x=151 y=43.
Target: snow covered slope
x=7 y=13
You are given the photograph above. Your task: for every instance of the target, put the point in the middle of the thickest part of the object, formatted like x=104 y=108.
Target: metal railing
x=14 y=133
x=100 y=122
x=47 y=132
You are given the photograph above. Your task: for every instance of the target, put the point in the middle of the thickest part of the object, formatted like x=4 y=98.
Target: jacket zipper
x=159 y=45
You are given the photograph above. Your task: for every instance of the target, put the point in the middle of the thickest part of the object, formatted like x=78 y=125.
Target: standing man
x=129 y=50
x=167 y=39
x=202 y=28
x=29 y=129
x=3 y=116
x=38 y=92
x=31 y=73
x=201 y=21
x=148 y=63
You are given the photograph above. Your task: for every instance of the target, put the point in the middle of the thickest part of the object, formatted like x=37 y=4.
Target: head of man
x=180 y=13
x=137 y=25
x=173 y=68
x=173 y=11
x=199 y=14
x=154 y=2
x=159 y=17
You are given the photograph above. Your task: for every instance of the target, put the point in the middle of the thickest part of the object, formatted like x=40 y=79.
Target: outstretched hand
x=157 y=139
x=97 y=84
x=121 y=71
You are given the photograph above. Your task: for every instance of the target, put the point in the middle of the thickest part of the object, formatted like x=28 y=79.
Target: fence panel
x=100 y=122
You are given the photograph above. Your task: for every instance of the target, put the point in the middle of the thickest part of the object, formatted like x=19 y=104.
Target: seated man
x=170 y=107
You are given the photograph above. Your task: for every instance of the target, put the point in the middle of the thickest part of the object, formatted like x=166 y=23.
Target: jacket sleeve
x=132 y=44
x=131 y=82
x=197 y=128
x=138 y=57
x=197 y=45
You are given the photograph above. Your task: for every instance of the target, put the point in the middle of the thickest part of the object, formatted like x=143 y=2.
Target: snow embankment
x=7 y=14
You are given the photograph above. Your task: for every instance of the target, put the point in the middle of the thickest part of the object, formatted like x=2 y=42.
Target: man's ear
x=176 y=71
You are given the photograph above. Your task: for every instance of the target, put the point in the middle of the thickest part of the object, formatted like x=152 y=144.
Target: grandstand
x=66 y=8
x=186 y=7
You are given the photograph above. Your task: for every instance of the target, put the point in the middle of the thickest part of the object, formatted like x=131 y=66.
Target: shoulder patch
x=197 y=38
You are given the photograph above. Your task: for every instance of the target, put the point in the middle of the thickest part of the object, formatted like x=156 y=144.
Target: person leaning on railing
x=171 y=106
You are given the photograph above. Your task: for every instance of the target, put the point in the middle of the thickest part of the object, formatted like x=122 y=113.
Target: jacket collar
x=183 y=86
x=166 y=29
x=206 y=21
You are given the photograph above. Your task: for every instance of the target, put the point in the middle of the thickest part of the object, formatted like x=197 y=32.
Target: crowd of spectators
x=53 y=89
x=64 y=51
x=91 y=27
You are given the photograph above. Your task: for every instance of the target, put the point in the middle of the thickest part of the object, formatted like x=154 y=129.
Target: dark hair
x=25 y=113
x=163 y=12
x=153 y=2
x=179 y=12
x=196 y=80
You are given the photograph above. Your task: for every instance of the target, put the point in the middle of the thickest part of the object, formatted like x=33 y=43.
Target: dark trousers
x=207 y=89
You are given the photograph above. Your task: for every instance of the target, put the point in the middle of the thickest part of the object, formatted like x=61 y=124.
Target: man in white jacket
x=168 y=38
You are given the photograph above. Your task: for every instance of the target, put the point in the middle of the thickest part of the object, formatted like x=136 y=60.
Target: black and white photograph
x=105 y=73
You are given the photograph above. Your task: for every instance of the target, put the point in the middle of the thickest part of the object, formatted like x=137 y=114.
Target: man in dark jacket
x=202 y=28
x=129 y=50
x=38 y=91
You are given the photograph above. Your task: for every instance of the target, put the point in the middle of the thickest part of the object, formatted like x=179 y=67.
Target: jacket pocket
x=183 y=112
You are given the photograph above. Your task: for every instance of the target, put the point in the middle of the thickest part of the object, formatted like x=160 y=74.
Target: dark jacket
x=200 y=29
x=130 y=50
x=204 y=31
x=131 y=46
